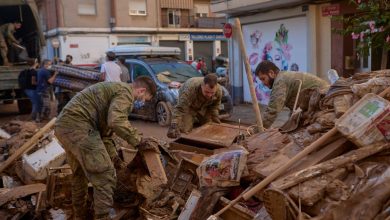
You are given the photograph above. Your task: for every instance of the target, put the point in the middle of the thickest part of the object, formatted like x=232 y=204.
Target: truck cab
x=31 y=37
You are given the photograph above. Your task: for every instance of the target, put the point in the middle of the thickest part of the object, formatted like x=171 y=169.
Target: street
x=9 y=112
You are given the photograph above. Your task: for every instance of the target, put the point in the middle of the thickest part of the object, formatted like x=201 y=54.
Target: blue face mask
x=138 y=104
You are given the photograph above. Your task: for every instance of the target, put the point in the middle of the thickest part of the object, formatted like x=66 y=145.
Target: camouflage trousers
x=193 y=118
x=90 y=162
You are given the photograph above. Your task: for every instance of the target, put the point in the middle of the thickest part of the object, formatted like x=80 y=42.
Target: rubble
x=201 y=172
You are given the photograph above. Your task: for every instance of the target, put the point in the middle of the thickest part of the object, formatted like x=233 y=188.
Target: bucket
x=367 y=122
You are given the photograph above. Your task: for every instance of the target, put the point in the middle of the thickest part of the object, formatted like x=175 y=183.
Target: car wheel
x=163 y=113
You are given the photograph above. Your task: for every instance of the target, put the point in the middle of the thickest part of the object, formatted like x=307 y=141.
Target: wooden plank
x=313 y=189
x=28 y=145
x=21 y=191
x=271 y=164
x=350 y=157
x=331 y=150
x=222 y=135
x=155 y=167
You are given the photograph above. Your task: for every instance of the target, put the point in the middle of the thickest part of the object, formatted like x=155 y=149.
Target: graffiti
x=281 y=38
x=256 y=39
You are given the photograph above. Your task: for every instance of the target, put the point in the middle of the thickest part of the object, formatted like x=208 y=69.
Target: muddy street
x=9 y=112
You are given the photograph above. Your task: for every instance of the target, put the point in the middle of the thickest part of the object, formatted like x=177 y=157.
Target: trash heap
x=347 y=176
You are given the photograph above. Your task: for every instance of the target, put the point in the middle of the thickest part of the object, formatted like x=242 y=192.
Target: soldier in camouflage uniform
x=84 y=128
x=7 y=35
x=284 y=87
x=199 y=101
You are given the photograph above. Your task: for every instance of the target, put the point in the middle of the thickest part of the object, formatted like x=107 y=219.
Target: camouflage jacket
x=8 y=30
x=284 y=92
x=104 y=107
x=192 y=100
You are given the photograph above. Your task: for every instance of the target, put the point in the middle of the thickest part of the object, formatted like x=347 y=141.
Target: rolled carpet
x=72 y=83
x=77 y=72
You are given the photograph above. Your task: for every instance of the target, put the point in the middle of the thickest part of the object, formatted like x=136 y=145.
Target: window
x=201 y=10
x=139 y=70
x=87 y=7
x=174 y=17
x=137 y=7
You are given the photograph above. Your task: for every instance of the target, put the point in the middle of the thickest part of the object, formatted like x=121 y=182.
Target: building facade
x=85 y=29
x=294 y=34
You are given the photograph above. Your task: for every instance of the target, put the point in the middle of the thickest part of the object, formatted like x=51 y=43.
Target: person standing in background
x=28 y=81
x=111 y=72
x=7 y=36
x=45 y=78
x=63 y=96
x=125 y=75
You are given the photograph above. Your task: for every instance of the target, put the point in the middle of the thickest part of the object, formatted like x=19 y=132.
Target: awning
x=177 y=4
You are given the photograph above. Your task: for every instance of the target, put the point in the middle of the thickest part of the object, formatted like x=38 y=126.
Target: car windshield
x=174 y=72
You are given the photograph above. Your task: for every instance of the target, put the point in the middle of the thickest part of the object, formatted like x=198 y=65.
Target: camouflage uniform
x=84 y=128
x=193 y=107
x=284 y=92
x=6 y=34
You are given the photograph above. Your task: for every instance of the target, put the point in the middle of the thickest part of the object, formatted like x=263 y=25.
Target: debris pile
x=343 y=134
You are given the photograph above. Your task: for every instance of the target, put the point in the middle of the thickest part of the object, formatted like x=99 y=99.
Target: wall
x=123 y=19
x=71 y=17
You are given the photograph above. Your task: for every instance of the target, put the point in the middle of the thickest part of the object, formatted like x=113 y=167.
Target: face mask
x=138 y=104
x=49 y=67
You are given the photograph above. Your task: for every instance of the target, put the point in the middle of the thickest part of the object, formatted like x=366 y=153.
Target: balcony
x=180 y=21
x=244 y=6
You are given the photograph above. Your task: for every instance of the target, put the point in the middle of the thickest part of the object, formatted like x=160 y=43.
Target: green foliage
x=369 y=26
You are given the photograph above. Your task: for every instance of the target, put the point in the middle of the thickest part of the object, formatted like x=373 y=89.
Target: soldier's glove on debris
x=216 y=120
x=173 y=131
x=119 y=164
x=148 y=143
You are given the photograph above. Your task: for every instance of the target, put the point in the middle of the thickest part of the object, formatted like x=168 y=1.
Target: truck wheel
x=163 y=114
x=24 y=106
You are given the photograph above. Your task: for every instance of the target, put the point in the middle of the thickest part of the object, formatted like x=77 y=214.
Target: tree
x=370 y=26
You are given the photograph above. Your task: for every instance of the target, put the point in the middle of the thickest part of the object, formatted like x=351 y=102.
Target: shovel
x=295 y=117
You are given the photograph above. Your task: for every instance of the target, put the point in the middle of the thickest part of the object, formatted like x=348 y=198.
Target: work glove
x=173 y=131
x=119 y=164
x=148 y=143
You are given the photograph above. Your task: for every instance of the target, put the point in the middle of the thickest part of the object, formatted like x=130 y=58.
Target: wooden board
x=262 y=146
x=271 y=164
x=310 y=172
x=221 y=135
x=331 y=150
x=20 y=192
x=313 y=190
x=155 y=167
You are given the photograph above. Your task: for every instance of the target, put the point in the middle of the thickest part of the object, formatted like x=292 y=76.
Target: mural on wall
x=282 y=42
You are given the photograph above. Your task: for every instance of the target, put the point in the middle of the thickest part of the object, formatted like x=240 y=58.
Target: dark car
x=168 y=74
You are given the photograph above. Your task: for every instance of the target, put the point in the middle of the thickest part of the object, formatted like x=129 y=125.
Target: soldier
x=198 y=102
x=84 y=128
x=7 y=35
x=284 y=87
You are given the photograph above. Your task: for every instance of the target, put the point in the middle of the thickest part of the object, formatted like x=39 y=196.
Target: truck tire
x=163 y=113
x=24 y=106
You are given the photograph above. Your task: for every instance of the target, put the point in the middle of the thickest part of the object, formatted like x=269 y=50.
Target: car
x=169 y=73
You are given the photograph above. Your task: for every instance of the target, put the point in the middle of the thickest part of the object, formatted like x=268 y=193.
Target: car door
x=147 y=110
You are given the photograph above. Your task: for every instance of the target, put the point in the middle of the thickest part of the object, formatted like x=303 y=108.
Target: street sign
x=55 y=43
x=227 y=30
x=331 y=10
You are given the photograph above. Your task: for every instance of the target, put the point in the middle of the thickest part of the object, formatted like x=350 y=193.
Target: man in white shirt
x=111 y=72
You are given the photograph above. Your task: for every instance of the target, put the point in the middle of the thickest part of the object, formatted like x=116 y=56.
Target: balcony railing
x=192 y=22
